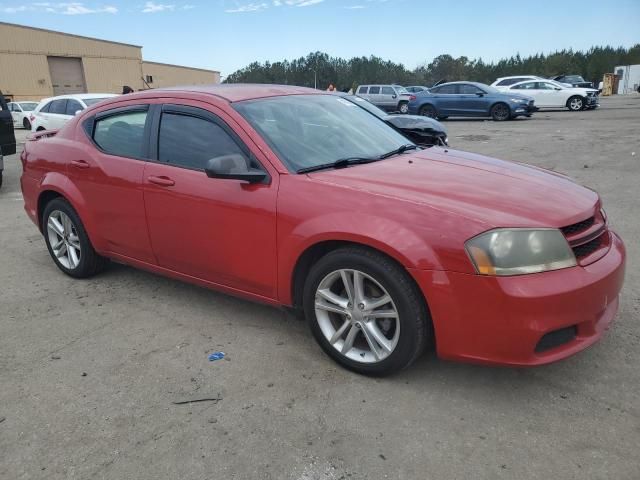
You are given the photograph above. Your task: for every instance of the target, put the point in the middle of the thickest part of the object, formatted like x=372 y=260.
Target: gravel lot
x=89 y=370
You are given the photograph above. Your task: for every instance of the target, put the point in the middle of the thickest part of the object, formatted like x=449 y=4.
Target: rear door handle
x=162 y=181
x=80 y=163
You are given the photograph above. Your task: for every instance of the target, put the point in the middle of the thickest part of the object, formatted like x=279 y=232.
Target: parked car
x=573 y=80
x=7 y=135
x=470 y=99
x=416 y=89
x=551 y=94
x=20 y=111
x=392 y=98
x=422 y=131
x=52 y=113
x=297 y=198
x=504 y=83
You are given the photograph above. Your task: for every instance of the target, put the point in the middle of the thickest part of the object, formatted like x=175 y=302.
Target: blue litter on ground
x=216 y=356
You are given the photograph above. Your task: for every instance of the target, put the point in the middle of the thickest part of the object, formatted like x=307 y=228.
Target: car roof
x=462 y=82
x=237 y=92
x=83 y=96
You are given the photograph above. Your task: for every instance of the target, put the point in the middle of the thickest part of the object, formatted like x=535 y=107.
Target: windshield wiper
x=341 y=163
x=399 y=150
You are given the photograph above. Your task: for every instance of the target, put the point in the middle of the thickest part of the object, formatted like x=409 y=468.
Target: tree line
x=319 y=69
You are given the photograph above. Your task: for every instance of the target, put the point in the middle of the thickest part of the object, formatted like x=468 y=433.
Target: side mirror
x=394 y=96
x=557 y=88
x=233 y=167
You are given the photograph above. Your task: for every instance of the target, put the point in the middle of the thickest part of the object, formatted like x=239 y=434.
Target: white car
x=503 y=83
x=552 y=94
x=52 y=113
x=20 y=112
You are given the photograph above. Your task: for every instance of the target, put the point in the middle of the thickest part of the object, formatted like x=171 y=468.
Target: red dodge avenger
x=299 y=198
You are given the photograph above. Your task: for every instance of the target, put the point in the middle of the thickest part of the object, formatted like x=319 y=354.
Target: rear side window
x=444 y=89
x=525 y=86
x=191 y=142
x=374 y=90
x=58 y=106
x=363 y=89
x=510 y=81
x=121 y=134
x=388 y=91
x=469 y=89
x=73 y=106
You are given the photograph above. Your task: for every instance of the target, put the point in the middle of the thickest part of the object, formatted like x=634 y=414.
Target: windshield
x=92 y=101
x=311 y=130
x=368 y=106
x=28 y=106
x=574 y=78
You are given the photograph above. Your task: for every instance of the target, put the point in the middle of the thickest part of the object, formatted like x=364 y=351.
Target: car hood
x=493 y=192
x=415 y=122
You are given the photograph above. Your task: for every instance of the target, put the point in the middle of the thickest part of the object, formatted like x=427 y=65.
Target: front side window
x=59 y=107
x=388 y=91
x=191 y=142
x=73 y=106
x=374 y=90
x=469 y=89
x=310 y=130
x=545 y=86
x=121 y=134
x=446 y=89
x=525 y=86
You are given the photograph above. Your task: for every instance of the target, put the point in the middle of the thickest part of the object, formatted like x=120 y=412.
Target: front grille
x=588 y=248
x=578 y=227
x=556 y=338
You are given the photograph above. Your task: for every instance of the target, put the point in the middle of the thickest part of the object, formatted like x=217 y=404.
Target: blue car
x=470 y=99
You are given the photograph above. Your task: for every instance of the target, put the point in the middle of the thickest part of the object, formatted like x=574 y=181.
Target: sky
x=226 y=35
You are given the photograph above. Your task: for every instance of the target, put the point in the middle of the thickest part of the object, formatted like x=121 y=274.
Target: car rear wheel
x=26 y=123
x=428 y=111
x=68 y=242
x=575 y=103
x=365 y=311
x=500 y=112
x=403 y=107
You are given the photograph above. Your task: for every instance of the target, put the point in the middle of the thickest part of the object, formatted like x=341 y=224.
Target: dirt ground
x=90 y=370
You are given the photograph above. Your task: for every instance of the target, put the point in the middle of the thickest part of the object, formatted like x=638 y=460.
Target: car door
x=445 y=99
x=57 y=115
x=531 y=90
x=16 y=112
x=374 y=96
x=388 y=98
x=554 y=96
x=108 y=174
x=7 y=136
x=363 y=92
x=471 y=100
x=218 y=230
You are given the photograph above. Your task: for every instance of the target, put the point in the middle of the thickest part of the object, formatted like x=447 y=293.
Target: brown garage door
x=66 y=75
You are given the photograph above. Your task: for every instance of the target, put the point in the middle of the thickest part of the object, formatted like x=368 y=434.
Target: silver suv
x=392 y=98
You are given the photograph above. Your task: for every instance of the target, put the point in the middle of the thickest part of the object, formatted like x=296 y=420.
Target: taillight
x=412 y=97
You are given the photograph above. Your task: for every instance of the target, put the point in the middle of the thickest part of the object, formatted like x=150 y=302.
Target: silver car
x=392 y=98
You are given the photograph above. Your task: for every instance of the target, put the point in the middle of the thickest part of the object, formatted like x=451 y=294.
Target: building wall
x=165 y=75
x=24 y=70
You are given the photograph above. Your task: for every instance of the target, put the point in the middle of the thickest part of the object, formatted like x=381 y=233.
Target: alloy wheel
x=357 y=316
x=575 y=103
x=64 y=239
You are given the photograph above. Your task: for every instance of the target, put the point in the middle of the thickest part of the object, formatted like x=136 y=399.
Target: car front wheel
x=428 y=111
x=500 y=112
x=403 y=107
x=575 y=103
x=68 y=242
x=365 y=311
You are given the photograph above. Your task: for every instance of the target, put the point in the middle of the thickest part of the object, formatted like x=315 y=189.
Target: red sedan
x=298 y=198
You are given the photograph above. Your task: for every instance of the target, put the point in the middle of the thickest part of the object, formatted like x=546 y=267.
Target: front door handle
x=162 y=181
x=80 y=163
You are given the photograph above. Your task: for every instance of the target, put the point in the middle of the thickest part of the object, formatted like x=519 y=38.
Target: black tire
x=500 y=112
x=40 y=129
x=0 y=178
x=26 y=123
x=90 y=263
x=443 y=117
x=413 y=317
x=403 y=107
x=428 y=110
x=575 y=103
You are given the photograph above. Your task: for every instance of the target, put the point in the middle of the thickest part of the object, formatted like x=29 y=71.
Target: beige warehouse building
x=37 y=63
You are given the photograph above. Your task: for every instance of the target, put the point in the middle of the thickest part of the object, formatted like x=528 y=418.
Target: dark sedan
x=470 y=99
x=422 y=131
x=7 y=137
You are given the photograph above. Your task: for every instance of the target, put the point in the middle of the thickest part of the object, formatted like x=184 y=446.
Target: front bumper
x=502 y=320
x=592 y=102
x=518 y=109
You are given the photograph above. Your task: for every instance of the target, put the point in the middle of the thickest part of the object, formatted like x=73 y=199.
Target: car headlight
x=520 y=251
x=519 y=100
